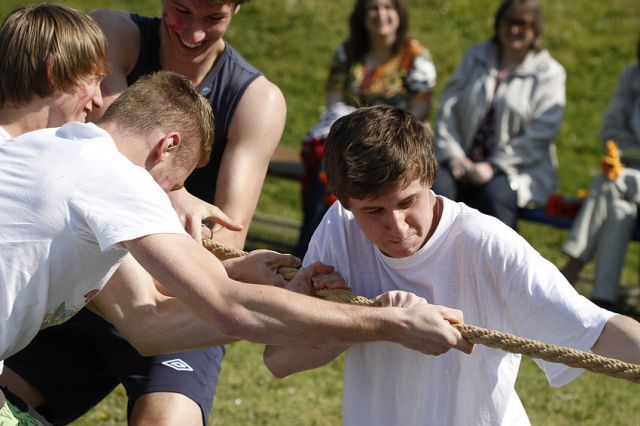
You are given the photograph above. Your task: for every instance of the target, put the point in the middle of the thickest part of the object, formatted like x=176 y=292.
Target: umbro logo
x=178 y=364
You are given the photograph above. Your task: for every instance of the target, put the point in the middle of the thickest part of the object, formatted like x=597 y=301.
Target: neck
x=32 y=116
x=512 y=58
x=379 y=51
x=436 y=211
x=133 y=147
x=381 y=44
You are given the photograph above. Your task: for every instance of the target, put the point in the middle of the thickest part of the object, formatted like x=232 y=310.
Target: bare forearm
x=276 y=316
x=620 y=339
x=171 y=327
x=150 y=321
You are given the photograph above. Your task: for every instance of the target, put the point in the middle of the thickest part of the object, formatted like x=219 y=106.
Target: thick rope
x=478 y=335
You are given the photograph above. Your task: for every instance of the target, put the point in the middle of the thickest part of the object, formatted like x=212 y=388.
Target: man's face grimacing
x=195 y=27
x=398 y=222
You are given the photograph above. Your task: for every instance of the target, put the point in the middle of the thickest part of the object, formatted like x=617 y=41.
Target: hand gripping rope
x=474 y=334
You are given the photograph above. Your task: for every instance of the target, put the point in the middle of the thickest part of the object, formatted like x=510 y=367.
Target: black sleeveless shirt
x=223 y=86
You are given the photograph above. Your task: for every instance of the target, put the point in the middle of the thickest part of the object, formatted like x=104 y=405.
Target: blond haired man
x=64 y=87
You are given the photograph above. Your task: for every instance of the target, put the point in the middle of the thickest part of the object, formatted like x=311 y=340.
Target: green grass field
x=292 y=41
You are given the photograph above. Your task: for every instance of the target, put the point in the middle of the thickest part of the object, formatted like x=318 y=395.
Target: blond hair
x=48 y=48
x=168 y=102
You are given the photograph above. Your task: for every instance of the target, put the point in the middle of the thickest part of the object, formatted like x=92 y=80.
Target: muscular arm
x=254 y=133
x=620 y=339
x=285 y=360
x=273 y=315
x=157 y=323
x=148 y=320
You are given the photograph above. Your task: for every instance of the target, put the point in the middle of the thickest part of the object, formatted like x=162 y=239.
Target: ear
x=237 y=9
x=167 y=145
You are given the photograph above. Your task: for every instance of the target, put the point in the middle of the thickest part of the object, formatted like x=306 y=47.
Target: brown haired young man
x=389 y=232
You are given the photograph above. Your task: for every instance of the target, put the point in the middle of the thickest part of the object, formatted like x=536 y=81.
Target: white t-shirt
x=472 y=262
x=69 y=198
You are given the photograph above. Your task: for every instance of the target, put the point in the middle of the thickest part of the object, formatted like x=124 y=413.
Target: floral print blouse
x=410 y=72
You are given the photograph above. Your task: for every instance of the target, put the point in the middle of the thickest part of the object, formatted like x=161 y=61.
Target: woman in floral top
x=378 y=64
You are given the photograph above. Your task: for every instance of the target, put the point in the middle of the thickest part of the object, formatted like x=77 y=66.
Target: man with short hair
x=388 y=232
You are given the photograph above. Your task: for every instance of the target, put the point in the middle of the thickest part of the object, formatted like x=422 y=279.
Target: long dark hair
x=531 y=6
x=358 y=42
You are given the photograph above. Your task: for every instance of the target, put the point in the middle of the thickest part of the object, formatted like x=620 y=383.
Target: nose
x=397 y=224
x=193 y=32
x=97 y=97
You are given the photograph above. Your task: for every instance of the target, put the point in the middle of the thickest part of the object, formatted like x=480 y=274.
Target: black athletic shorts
x=78 y=363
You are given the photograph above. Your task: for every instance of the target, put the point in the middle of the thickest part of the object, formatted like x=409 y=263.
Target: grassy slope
x=292 y=42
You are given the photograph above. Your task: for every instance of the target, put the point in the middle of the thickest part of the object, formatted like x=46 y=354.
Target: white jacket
x=529 y=109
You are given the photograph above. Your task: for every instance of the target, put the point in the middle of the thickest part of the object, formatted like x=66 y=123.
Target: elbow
x=278 y=374
x=277 y=369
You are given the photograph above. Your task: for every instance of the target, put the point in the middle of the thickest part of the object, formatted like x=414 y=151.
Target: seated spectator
x=499 y=116
x=378 y=64
x=608 y=216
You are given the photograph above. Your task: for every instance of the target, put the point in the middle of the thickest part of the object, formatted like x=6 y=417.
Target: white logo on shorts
x=178 y=364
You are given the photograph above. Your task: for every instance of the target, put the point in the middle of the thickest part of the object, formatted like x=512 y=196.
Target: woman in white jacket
x=499 y=117
x=609 y=214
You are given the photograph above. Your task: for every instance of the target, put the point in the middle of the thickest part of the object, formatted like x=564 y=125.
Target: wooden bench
x=538 y=215
x=286 y=163
x=629 y=293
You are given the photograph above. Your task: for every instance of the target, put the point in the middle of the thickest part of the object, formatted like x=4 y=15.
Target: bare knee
x=165 y=408
x=21 y=388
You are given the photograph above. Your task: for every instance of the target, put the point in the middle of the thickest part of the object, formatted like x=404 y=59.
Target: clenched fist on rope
x=441 y=336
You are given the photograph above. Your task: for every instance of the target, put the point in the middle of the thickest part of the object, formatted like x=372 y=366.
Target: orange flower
x=611 y=165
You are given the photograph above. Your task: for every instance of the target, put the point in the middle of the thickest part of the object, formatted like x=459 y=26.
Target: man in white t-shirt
x=389 y=231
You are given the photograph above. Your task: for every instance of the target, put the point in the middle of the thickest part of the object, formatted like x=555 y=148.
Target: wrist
x=394 y=324
x=231 y=266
